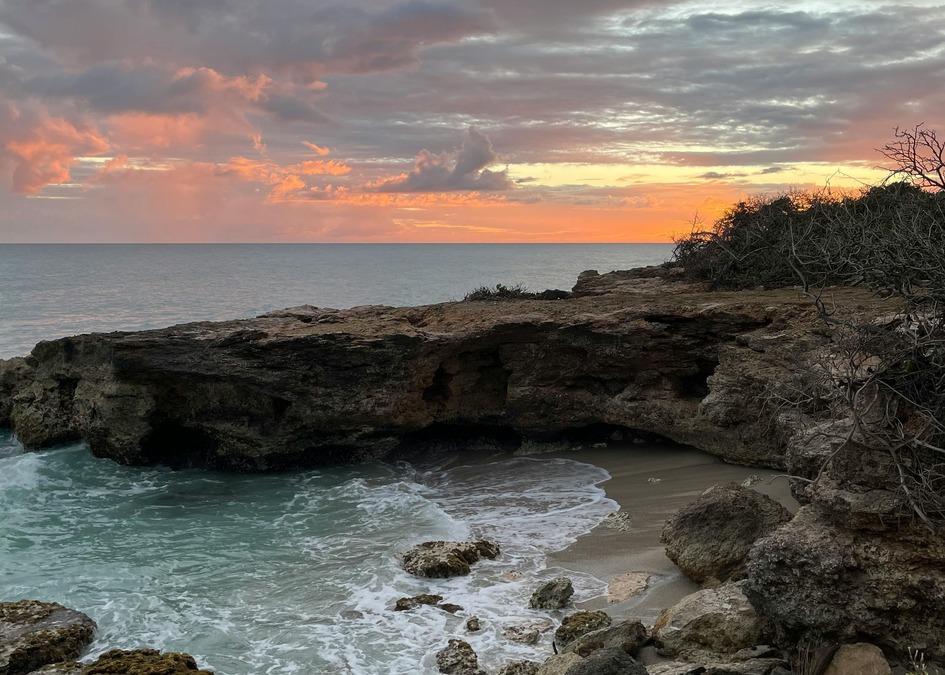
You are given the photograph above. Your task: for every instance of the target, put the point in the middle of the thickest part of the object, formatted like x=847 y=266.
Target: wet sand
x=650 y=482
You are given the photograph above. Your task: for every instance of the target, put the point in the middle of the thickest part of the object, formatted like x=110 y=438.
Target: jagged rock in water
x=443 y=559
x=34 y=634
x=519 y=668
x=580 y=623
x=527 y=635
x=629 y=636
x=458 y=658
x=553 y=595
x=63 y=668
x=404 y=604
x=711 y=537
x=710 y=624
x=144 y=662
x=473 y=624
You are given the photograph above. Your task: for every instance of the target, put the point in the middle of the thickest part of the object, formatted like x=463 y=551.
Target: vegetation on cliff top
x=888 y=373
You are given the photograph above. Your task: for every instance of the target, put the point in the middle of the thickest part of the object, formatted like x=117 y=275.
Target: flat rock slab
x=444 y=559
x=628 y=585
x=34 y=634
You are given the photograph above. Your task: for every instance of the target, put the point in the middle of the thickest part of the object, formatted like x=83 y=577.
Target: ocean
x=295 y=572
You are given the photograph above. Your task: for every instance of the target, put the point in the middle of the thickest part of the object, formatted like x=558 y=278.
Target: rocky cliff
x=626 y=353
x=309 y=386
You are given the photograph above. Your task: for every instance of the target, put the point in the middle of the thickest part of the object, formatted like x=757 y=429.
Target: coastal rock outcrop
x=34 y=634
x=553 y=595
x=711 y=537
x=580 y=623
x=458 y=658
x=309 y=386
x=443 y=559
x=715 y=622
x=628 y=636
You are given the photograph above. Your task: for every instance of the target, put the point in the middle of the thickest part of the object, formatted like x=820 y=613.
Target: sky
x=443 y=120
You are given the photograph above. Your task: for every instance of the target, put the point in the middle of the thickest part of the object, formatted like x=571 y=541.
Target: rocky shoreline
x=636 y=354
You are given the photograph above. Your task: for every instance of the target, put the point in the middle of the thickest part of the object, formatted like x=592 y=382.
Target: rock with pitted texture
x=553 y=595
x=711 y=537
x=404 y=604
x=709 y=624
x=607 y=661
x=34 y=634
x=629 y=636
x=144 y=662
x=580 y=623
x=309 y=386
x=443 y=559
x=519 y=668
x=858 y=659
x=458 y=658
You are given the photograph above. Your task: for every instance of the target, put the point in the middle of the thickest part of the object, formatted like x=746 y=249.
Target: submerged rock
x=578 y=624
x=553 y=595
x=458 y=658
x=404 y=604
x=443 y=559
x=473 y=624
x=34 y=634
x=711 y=537
x=711 y=623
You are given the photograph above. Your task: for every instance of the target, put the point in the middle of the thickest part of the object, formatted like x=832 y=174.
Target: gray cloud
x=432 y=172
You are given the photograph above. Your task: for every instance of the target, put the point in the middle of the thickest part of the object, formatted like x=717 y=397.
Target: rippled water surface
x=290 y=573
x=49 y=291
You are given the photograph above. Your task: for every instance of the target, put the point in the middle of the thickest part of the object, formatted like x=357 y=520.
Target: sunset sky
x=442 y=120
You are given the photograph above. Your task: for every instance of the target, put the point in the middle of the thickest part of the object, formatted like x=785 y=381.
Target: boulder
x=711 y=537
x=629 y=636
x=62 y=668
x=34 y=634
x=473 y=624
x=143 y=662
x=750 y=667
x=607 y=661
x=710 y=624
x=858 y=659
x=559 y=664
x=519 y=668
x=442 y=559
x=404 y=604
x=580 y=623
x=553 y=595
x=816 y=579
x=458 y=658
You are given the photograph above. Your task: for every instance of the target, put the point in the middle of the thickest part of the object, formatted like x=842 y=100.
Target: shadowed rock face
x=34 y=634
x=308 y=386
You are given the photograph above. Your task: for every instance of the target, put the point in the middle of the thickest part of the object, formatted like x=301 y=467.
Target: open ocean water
x=296 y=572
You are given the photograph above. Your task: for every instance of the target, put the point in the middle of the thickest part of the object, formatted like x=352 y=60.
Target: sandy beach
x=650 y=482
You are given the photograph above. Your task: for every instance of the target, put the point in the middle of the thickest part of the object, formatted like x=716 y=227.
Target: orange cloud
x=317 y=149
x=44 y=152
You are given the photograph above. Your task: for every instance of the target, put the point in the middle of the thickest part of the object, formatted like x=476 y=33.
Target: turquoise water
x=49 y=291
x=289 y=573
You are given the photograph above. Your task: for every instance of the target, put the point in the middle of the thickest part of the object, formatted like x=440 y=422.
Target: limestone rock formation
x=458 y=658
x=712 y=623
x=559 y=664
x=309 y=386
x=628 y=636
x=815 y=578
x=858 y=659
x=580 y=623
x=443 y=559
x=711 y=537
x=519 y=668
x=404 y=604
x=553 y=595
x=34 y=634
x=607 y=661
